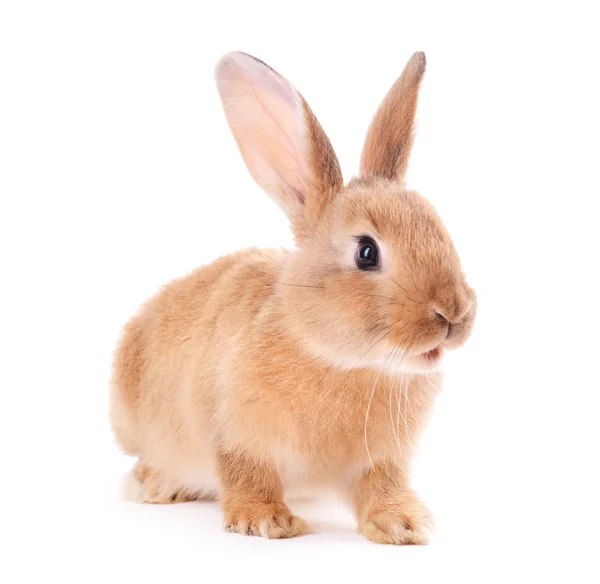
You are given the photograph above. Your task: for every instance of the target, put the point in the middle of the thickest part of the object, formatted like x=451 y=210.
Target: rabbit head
x=376 y=280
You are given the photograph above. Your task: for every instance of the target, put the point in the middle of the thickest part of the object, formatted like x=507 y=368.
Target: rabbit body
x=266 y=372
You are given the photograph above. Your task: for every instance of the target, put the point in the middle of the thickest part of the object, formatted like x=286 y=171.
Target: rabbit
x=272 y=371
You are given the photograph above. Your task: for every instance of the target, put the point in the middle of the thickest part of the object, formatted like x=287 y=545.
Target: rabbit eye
x=367 y=254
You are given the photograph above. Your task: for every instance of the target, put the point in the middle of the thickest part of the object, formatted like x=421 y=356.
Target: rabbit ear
x=281 y=141
x=390 y=136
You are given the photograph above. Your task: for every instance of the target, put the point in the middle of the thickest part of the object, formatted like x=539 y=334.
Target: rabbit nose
x=441 y=317
x=456 y=314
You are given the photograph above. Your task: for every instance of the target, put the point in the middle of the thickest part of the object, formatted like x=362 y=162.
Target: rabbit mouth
x=432 y=355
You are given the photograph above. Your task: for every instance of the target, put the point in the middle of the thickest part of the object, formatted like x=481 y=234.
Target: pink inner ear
x=263 y=77
x=267 y=119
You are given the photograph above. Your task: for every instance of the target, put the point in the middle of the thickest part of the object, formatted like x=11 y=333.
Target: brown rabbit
x=270 y=370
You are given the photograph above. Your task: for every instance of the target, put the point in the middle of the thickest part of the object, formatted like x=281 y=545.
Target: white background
x=118 y=173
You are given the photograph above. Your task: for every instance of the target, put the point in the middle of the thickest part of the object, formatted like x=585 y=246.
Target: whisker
x=391 y=393
x=405 y=388
x=404 y=381
x=409 y=412
x=405 y=412
x=398 y=393
x=401 y=328
x=367 y=413
x=302 y=285
x=323 y=288
x=393 y=302
x=402 y=289
x=365 y=295
x=398 y=405
x=378 y=296
x=388 y=331
x=412 y=279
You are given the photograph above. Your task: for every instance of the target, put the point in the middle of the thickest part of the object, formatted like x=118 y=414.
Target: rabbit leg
x=388 y=510
x=148 y=485
x=252 y=499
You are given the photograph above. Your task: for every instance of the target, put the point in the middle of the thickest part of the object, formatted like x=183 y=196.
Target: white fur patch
x=131 y=488
x=204 y=480
x=291 y=466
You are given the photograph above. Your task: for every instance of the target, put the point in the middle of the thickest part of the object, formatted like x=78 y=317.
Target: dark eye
x=367 y=254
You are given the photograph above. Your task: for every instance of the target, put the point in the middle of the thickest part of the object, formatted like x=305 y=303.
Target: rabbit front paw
x=269 y=520
x=399 y=527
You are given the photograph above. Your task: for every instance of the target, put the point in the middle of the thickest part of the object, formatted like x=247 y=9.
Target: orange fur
x=271 y=370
